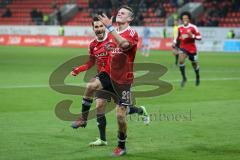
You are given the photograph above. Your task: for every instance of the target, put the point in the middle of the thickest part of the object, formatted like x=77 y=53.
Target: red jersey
x=187 y=42
x=122 y=60
x=99 y=52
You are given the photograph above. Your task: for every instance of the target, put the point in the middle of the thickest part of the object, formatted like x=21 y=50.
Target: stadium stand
x=21 y=10
x=149 y=12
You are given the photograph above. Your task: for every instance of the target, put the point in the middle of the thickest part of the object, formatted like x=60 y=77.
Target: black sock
x=176 y=60
x=101 y=120
x=121 y=139
x=197 y=71
x=133 y=109
x=86 y=104
x=182 y=69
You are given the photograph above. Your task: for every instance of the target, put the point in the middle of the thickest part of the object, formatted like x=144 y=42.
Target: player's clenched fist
x=77 y=70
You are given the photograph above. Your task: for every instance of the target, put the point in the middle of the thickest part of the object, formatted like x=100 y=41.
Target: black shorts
x=103 y=94
x=191 y=56
x=120 y=93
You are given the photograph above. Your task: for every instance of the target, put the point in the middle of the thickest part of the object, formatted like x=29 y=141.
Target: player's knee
x=181 y=62
x=194 y=64
x=90 y=86
x=100 y=107
x=121 y=117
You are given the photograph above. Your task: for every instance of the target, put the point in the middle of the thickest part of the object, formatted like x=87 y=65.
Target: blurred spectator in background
x=175 y=16
x=138 y=21
x=34 y=15
x=235 y=5
x=37 y=16
x=58 y=16
x=61 y=30
x=231 y=34
x=160 y=11
x=54 y=4
x=45 y=19
x=115 y=4
x=145 y=41
x=7 y=13
x=164 y=32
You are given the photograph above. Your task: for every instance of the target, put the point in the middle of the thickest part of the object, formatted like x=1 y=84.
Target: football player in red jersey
x=121 y=70
x=187 y=34
x=99 y=52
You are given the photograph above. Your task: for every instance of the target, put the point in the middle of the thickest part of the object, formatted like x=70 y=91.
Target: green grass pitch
x=208 y=127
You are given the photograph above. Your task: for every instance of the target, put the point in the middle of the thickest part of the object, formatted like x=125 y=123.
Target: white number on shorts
x=126 y=95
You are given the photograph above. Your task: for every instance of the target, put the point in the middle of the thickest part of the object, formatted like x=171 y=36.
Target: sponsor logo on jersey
x=103 y=54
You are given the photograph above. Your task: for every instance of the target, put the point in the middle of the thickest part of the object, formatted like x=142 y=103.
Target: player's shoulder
x=92 y=44
x=193 y=26
x=132 y=31
x=129 y=31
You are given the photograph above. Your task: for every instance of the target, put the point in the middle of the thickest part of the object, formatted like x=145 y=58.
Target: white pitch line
x=209 y=79
x=82 y=84
x=36 y=86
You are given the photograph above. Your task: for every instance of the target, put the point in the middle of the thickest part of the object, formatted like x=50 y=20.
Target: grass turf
x=188 y=123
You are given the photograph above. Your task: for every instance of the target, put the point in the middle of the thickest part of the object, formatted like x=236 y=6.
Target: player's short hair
x=95 y=19
x=186 y=13
x=129 y=9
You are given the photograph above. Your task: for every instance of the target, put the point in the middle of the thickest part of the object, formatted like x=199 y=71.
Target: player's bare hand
x=74 y=72
x=105 y=20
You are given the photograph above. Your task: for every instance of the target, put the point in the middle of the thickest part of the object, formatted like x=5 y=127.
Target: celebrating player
x=121 y=71
x=99 y=52
x=187 y=34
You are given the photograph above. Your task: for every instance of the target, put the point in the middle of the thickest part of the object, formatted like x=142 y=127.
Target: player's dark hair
x=186 y=14
x=95 y=19
x=127 y=8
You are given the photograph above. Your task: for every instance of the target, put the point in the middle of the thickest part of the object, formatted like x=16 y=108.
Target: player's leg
x=182 y=57
x=132 y=109
x=101 y=122
x=93 y=85
x=195 y=65
x=176 y=53
x=141 y=110
x=122 y=130
x=124 y=100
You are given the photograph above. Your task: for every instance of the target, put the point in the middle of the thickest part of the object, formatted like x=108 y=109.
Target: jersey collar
x=119 y=32
x=189 y=24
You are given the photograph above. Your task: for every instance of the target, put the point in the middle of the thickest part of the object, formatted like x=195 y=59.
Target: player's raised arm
x=124 y=17
x=122 y=42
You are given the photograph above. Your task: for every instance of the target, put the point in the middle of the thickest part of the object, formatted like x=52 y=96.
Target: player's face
x=99 y=29
x=185 y=20
x=123 y=16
